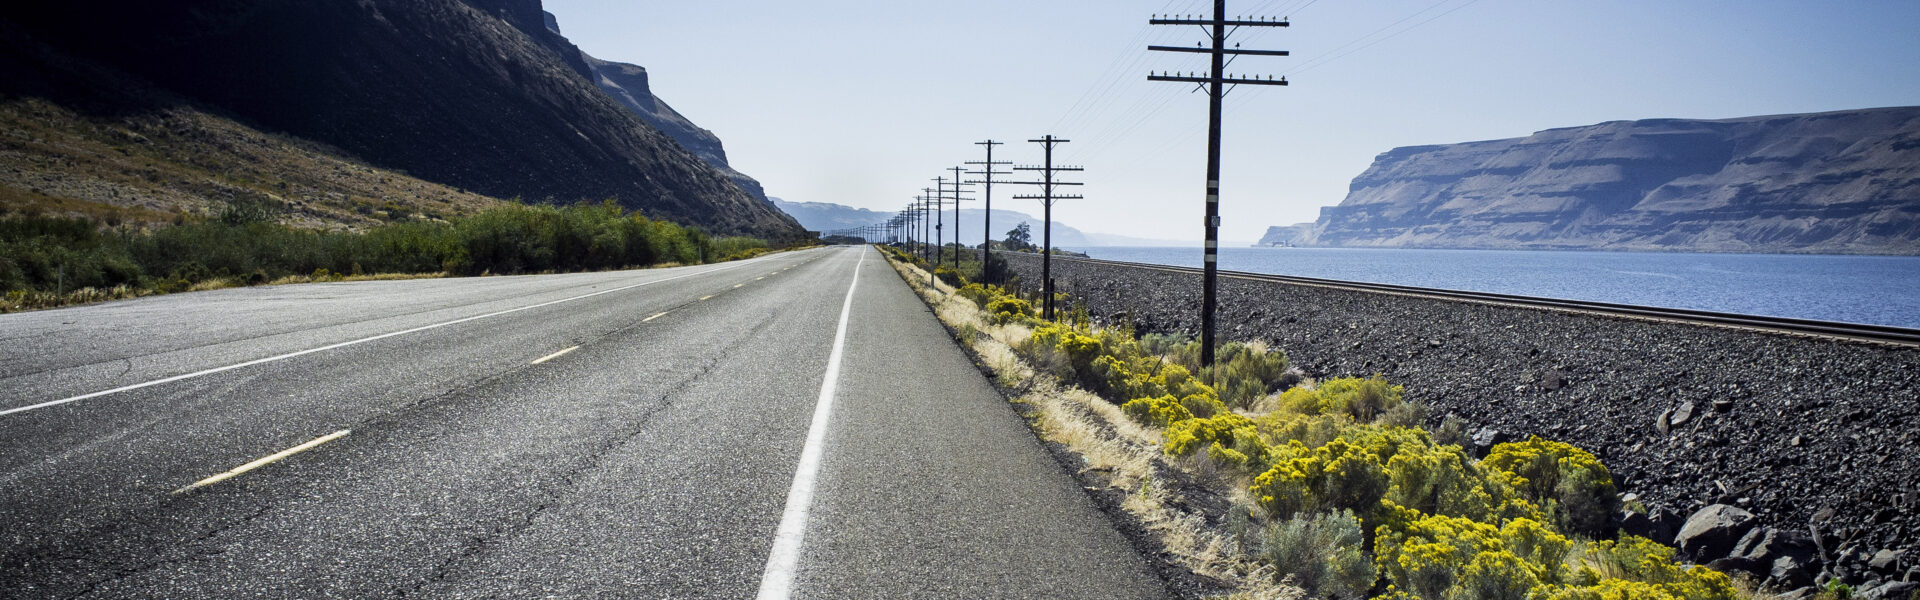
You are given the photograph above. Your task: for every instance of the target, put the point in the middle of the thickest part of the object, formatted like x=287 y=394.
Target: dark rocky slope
x=477 y=94
x=1837 y=182
x=627 y=84
x=1807 y=434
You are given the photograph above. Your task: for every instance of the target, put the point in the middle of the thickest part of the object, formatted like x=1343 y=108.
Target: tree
x=1020 y=237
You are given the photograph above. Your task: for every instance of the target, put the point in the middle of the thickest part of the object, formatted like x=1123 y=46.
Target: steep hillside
x=1838 y=182
x=475 y=94
x=155 y=156
x=627 y=84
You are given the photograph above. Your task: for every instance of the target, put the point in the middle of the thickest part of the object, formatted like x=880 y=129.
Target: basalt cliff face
x=627 y=84
x=477 y=94
x=1837 y=182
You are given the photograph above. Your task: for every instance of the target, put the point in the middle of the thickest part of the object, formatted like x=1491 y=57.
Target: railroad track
x=1830 y=329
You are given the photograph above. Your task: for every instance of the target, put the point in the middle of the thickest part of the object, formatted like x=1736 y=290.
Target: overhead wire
x=1099 y=98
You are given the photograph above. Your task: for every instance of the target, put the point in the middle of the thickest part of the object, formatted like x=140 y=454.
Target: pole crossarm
x=1233 y=51
x=1228 y=79
x=1236 y=22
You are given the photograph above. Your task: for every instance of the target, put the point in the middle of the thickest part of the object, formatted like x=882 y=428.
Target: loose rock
x=1712 y=532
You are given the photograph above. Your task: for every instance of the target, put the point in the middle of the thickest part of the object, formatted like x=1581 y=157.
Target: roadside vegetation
x=1278 y=486
x=48 y=261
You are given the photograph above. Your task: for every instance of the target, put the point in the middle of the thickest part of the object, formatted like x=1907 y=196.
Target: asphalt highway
x=639 y=434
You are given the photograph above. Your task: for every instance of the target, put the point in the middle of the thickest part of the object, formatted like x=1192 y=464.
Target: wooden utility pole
x=1215 y=82
x=958 y=197
x=1046 y=198
x=939 y=200
x=986 y=174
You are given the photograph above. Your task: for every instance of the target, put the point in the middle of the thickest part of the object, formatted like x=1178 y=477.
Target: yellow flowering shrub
x=1163 y=411
x=1571 y=483
x=1636 y=567
x=1003 y=309
x=1334 y=476
x=1437 y=556
x=1362 y=399
x=1446 y=527
x=1185 y=437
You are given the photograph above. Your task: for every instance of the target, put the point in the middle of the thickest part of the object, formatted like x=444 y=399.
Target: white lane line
x=776 y=582
x=553 y=356
x=341 y=345
x=656 y=316
x=264 y=461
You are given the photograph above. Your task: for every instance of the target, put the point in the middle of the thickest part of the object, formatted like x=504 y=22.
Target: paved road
x=653 y=459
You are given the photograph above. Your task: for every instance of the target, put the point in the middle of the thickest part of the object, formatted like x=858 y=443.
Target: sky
x=863 y=103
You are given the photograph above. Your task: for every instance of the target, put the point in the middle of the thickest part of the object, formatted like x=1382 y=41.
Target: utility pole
x=939 y=192
x=1215 y=82
x=957 y=198
x=987 y=172
x=926 y=225
x=1046 y=198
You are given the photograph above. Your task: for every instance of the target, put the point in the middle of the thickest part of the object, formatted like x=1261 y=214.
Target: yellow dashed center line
x=553 y=356
x=705 y=297
x=737 y=285
x=757 y=279
x=263 y=462
x=657 y=315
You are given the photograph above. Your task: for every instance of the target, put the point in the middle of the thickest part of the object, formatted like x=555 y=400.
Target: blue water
x=1883 y=290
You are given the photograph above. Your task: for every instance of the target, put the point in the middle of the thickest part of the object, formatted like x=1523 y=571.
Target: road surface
x=627 y=434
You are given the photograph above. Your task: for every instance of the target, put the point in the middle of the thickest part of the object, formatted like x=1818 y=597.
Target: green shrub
x=1321 y=552
x=1244 y=374
x=47 y=254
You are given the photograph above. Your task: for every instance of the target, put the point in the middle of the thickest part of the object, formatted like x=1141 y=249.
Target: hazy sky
x=863 y=102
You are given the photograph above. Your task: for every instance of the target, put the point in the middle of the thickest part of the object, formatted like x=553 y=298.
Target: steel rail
x=1852 y=331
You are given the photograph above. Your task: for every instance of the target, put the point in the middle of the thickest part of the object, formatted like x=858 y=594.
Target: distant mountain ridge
x=826 y=216
x=477 y=94
x=1835 y=182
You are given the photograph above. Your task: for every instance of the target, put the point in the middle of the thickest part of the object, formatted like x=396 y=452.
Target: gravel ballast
x=1808 y=434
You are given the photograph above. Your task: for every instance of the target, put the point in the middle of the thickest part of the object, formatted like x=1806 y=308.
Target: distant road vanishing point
x=623 y=434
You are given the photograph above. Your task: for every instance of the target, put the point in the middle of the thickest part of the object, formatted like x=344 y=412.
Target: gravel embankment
x=1800 y=431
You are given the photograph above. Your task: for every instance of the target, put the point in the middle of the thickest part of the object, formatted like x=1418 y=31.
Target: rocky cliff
x=627 y=84
x=477 y=94
x=1838 y=182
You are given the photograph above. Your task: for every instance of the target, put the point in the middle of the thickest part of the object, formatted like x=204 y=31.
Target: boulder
x=1487 y=437
x=1712 y=532
x=1788 y=557
x=1739 y=564
x=1893 y=590
x=1803 y=593
x=1767 y=543
x=1885 y=561
x=1793 y=571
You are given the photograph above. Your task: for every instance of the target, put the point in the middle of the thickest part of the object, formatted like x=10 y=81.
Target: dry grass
x=149 y=167
x=1125 y=454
